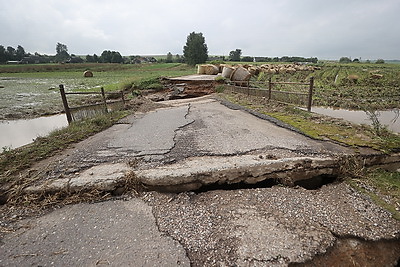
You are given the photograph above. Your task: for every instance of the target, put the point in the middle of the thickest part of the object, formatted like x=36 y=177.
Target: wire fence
x=101 y=105
x=298 y=93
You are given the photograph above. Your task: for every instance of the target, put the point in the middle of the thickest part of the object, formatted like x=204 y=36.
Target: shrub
x=220 y=88
x=220 y=79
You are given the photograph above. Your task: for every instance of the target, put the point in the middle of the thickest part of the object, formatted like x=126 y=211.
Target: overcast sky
x=369 y=29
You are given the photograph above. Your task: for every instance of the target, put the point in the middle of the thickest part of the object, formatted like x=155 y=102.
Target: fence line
x=68 y=109
x=270 y=91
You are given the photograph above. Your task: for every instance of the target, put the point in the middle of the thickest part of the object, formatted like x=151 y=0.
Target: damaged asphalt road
x=274 y=226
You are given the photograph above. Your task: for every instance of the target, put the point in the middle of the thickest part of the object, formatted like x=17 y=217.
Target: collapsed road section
x=195 y=143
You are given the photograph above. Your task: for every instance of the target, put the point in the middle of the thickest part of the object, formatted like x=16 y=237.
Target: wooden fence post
x=122 y=96
x=269 y=88
x=104 y=99
x=310 y=93
x=65 y=103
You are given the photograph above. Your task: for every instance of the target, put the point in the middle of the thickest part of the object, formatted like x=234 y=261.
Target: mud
x=358 y=252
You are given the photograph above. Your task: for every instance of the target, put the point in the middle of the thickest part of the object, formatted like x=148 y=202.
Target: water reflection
x=389 y=118
x=21 y=132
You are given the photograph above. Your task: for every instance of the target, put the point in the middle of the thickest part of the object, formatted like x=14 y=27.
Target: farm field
x=355 y=86
x=28 y=91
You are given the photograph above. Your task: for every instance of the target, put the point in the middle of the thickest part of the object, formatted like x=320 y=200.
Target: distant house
x=30 y=60
x=12 y=62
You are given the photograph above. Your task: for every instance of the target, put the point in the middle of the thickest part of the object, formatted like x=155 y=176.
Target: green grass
x=378 y=183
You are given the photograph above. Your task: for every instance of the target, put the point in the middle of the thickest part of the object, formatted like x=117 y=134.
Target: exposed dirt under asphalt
x=268 y=225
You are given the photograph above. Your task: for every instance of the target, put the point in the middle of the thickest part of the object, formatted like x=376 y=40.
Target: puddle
x=390 y=118
x=17 y=133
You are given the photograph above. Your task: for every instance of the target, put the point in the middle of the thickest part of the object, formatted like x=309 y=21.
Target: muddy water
x=17 y=133
x=390 y=118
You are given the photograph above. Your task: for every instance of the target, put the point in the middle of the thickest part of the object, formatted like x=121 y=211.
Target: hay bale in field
x=211 y=69
x=376 y=76
x=291 y=70
x=87 y=74
x=353 y=78
x=254 y=70
x=227 y=71
x=240 y=74
x=201 y=69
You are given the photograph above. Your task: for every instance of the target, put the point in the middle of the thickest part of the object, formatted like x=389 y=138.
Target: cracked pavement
x=246 y=227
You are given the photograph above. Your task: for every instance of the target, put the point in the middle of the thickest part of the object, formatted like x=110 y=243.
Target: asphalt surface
x=112 y=233
x=271 y=226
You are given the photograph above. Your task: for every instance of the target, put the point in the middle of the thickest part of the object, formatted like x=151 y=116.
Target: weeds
x=382 y=186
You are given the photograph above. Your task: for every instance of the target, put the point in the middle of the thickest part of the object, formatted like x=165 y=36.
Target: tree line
x=19 y=55
x=195 y=51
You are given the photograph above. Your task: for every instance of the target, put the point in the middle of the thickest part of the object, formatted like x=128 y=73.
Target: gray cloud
x=324 y=29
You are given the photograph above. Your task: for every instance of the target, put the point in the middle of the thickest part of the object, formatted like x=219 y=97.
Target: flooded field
x=389 y=118
x=17 y=133
x=22 y=97
x=33 y=91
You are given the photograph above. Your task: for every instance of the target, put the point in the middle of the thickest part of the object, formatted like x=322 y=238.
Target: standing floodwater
x=21 y=132
x=389 y=118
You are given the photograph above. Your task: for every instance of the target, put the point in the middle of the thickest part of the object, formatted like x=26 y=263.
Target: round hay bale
x=211 y=69
x=254 y=70
x=88 y=73
x=201 y=69
x=376 y=76
x=290 y=70
x=240 y=74
x=227 y=72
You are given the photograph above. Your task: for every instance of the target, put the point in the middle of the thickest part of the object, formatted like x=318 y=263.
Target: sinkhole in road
x=312 y=183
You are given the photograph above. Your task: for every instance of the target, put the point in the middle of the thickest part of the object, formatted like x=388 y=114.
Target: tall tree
x=3 y=55
x=116 y=57
x=195 y=51
x=10 y=53
x=61 y=52
x=235 y=55
x=20 y=53
x=169 y=58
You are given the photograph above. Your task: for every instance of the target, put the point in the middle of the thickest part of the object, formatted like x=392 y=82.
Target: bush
x=380 y=61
